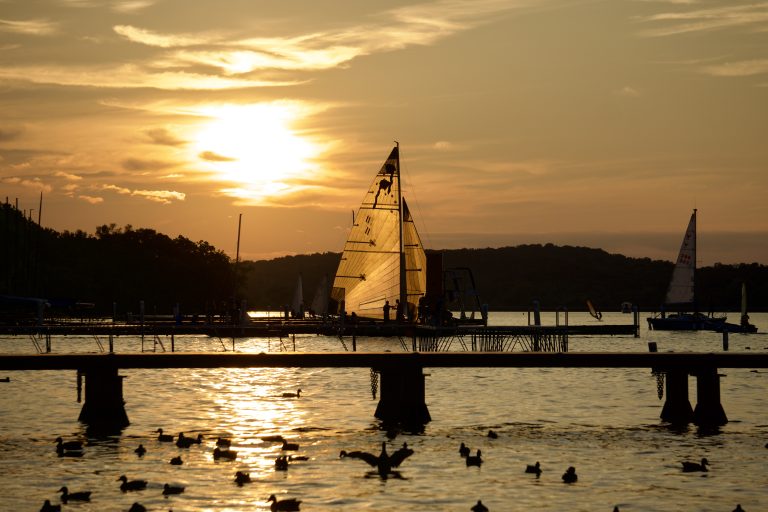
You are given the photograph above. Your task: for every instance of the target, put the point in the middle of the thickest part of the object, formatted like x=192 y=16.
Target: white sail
x=297 y=304
x=383 y=259
x=681 y=287
x=320 y=300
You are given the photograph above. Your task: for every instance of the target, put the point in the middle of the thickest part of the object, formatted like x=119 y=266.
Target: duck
x=131 y=485
x=382 y=462
x=533 y=468
x=297 y=394
x=74 y=496
x=172 y=489
x=186 y=442
x=223 y=442
x=479 y=507
x=242 y=478
x=273 y=439
x=463 y=450
x=570 y=476
x=289 y=446
x=475 y=460
x=354 y=454
x=690 y=467
x=224 y=454
x=281 y=463
x=297 y=457
x=164 y=438
x=492 y=434
x=140 y=451
x=738 y=508
x=71 y=448
x=283 y=505
x=137 y=507
x=47 y=507
x=176 y=461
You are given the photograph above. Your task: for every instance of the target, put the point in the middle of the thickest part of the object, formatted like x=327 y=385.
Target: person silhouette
x=386 y=311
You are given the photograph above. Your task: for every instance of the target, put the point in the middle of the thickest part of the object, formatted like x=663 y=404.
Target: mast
x=403 y=280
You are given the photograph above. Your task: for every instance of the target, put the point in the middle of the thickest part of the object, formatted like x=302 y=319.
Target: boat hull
x=686 y=322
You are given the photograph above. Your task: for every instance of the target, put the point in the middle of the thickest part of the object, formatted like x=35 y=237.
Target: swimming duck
x=74 y=496
x=132 y=485
x=463 y=450
x=47 y=507
x=690 y=467
x=570 y=475
x=68 y=446
x=475 y=460
x=297 y=394
x=479 y=507
x=382 y=462
x=283 y=505
x=186 y=442
x=137 y=507
x=289 y=446
x=273 y=439
x=140 y=451
x=242 y=478
x=533 y=468
x=297 y=457
x=281 y=463
x=492 y=434
x=224 y=454
x=176 y=461
x=738 y=509
x=164 y=438
x=223 y=442
x=172 y=489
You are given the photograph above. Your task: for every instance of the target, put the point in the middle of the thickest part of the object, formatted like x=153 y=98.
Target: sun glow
x=255 y=149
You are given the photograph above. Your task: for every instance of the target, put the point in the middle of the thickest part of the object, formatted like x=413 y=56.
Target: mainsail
x=383 y=259
x=681 y=287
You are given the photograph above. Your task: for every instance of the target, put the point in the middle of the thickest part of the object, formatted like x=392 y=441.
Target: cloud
x=627 y=91
x=730 y=16
x=210 y=156
x=741 y=68
x=136 y=164
x=159 y=196
x=164 y=137
x=115 y=188
x=91 y=199
x=7 y=134
x=149 y=38
x=68 y=176
x=34 y=183
x=29 y=27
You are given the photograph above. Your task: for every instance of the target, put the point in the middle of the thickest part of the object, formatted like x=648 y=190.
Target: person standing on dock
x=387 y=307
x=398 y=310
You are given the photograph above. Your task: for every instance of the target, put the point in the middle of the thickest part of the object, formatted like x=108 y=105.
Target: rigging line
x=413 y=200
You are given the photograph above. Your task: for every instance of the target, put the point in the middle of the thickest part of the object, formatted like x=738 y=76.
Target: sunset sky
x=592 y=123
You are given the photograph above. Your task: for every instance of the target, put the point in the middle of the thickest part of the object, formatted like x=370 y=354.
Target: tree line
x=126 y=265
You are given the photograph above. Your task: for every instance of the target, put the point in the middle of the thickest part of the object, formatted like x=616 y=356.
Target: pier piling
x=402 y=396
x=104 y=407
x=709 y=411
x=677 y=408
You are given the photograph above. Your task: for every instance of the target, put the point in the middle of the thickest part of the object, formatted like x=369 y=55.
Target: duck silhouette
x=47 y=507
x=74 y=496
x=475 y=460
x=273 y=439
x=164 y=438
x=281 y=463
x=738 y=508
x=382 y=462
x=219 y=454
x=479 y=507
x=690 y=467
x=463 y=450
x=223 y=442
x=131 y=485
x=176 y=461
x=242 y=478
x=492 y=434
x=297 y=394
x=172 y=489
x=137 y=507
x=289 y=446
x=570 y=476
x=283 y=505
x=533 y=468
x=186 y=442
x=62 y=446
x=140 y=451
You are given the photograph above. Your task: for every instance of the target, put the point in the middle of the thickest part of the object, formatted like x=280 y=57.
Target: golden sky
x=593 y=123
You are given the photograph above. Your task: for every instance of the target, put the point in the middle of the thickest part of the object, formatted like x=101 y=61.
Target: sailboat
x=383 y=265
x=297 y=302
x=681 y=295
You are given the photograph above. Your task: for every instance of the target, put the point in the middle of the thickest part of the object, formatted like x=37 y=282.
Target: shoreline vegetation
x=116 y=268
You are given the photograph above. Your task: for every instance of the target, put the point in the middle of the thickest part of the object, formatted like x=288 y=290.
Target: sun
x=255 y=148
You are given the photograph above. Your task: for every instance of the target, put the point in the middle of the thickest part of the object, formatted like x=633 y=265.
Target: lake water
x=604 y=422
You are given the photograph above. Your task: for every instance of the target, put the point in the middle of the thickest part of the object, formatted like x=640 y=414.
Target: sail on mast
x=383 y=259
x=681 y=287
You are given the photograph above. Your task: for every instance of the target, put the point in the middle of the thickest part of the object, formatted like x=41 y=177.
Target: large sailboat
x=681 y=294
x=382 y=271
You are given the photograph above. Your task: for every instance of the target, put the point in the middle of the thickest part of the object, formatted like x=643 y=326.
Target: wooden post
x=677 y=409
x=104 y=408
x=402 y=396
x=709 y=411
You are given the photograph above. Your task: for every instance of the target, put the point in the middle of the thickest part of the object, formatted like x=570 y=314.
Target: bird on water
x=172 y=489
x=176 y=461
x=131 y=485
x=219 y=454
x=479 y=507
x=140 y=451
x=137 y=507
x=297 y=394
x=283 y=505
x=61 y=445
x=47 y=507
x=242 y=478
x=164 y=438
x=223 y=442
x=570 y=476
x=186 y=442
x=289 y=446
x=475 y=460
x=383 y=462
x=74 y=496
x=691 y=467
x=533 y=468
x=281 y=463
x=738 y=508
x=492 y=434
x=463 y=450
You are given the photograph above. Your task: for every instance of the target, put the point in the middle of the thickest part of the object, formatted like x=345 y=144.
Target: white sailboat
x=383 y=262
x=297 y=303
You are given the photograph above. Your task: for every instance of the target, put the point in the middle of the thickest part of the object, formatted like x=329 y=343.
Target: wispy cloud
x=741 y=68
x=91 y=199
x=164 y=137
x=7 y=134
x=136 y=164
x=29 y=27
x=627 y=91
x=68 y=176
x=159 y=196
x=730 y=16
x=210 y=156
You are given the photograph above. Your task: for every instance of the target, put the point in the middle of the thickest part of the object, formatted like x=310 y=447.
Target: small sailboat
x=297 y=303
x=383 y=261
x=319 y=305
x=681 y=296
